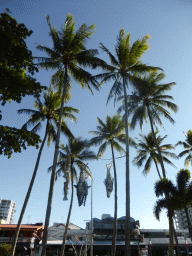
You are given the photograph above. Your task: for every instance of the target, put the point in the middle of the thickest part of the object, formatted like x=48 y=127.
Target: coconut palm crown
x=125 y=64
x=147 y=152
x=149 y=98
x=49 y=110
x=69 y=53
x=112 y=131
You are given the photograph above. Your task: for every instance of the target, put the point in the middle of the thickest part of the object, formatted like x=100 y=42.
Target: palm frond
x=111 y=57
x=159 y=206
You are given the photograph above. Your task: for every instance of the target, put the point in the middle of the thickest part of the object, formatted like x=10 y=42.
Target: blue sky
x=169 y=23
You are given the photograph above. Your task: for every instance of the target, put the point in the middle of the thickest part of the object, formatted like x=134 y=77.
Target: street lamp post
x=92 y=216
x=91 y=221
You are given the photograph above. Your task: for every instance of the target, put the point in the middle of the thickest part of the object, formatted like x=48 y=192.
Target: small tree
x=5 y=249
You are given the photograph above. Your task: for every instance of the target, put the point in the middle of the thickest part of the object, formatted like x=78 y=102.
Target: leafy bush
x=5 y=249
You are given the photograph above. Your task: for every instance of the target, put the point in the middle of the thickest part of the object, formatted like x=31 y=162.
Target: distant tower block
x=7 y=211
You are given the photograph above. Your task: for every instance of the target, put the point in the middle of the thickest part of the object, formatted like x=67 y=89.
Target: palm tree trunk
x=113 y=248
x=53 y=175
x=157 y=169
x=188 y=222
x=68 y=218
x=176 y=240
x=171 y=242
x=127 y=222
x=28 y=193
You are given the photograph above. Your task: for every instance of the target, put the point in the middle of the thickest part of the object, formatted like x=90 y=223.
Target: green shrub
x=5 y=249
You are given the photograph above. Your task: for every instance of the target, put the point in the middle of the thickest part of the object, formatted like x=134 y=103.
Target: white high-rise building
x=181 y=219
x=7 y=211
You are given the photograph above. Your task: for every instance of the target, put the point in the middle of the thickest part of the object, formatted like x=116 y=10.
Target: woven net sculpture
x=109 y=181
x=67 y=177
x=82 y=188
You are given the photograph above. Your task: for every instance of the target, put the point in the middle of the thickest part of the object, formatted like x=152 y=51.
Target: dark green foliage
x=13 y=140
x=177 y=197
x=5 y=249
x=15 y=60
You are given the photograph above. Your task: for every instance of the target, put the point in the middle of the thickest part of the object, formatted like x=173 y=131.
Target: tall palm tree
x=147 y=152
x=77 y=151
x=121 y=70
x=111 y=133
x=49 y=111
x=148 y=102
x=67 y=56
x=163 y=187
x=187 y=144
x=146 y=147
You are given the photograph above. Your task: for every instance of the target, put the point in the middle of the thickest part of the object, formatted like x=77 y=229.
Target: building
x=56 y=231
x=7 y=211
x=149 y=241
x=76 y=236
x=181 y=219
x=152 y=242
x=29 y=236
x=103 y=227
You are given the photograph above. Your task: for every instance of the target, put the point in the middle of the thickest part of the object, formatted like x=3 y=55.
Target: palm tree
x=121 y=70
x=163 y=187
x=77 y=151
x=147 y=146
x=49 y=111
x=182 y=194
x=111 y=133
x=187 y=144
x=149 y=102
x=147 y=152
x=67 y=56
